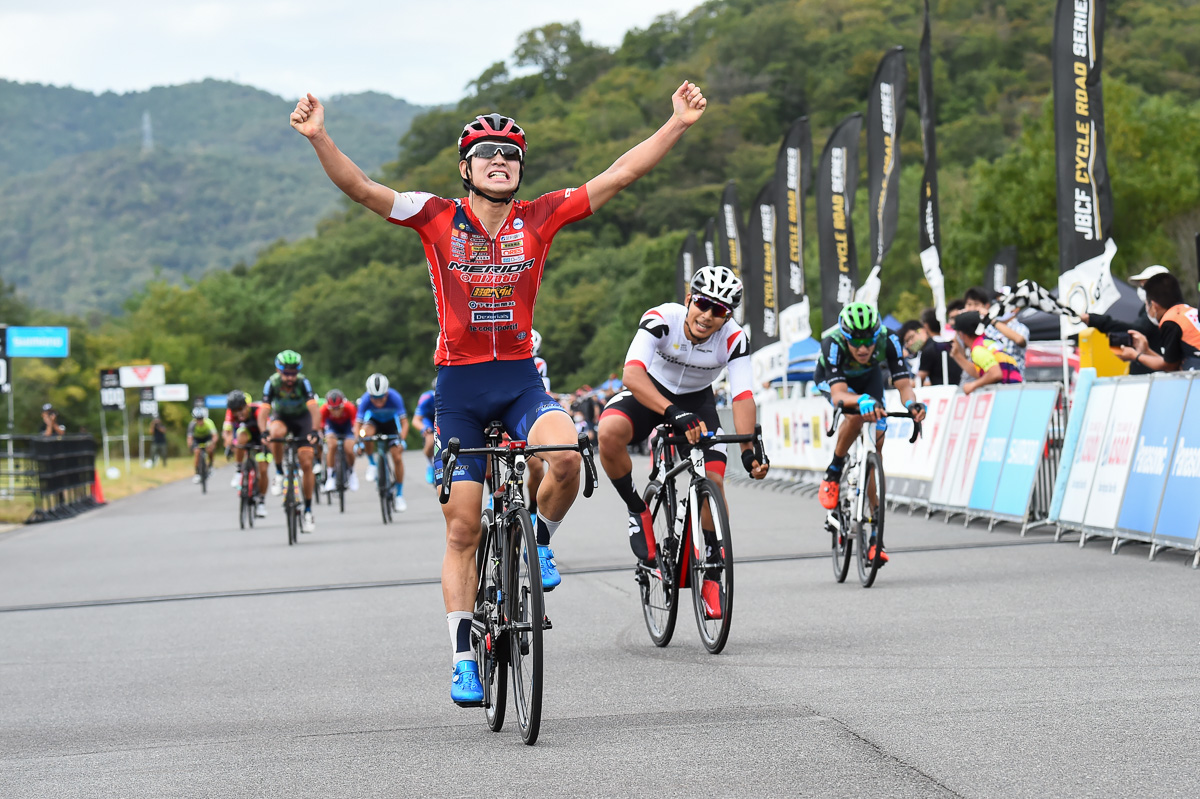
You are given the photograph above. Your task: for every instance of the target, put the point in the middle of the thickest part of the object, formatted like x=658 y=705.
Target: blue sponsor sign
x=995 y=446
x=38 y=342
x=1152 y=455
x=1179 y=517
x=215 y=400
x=1025 y=448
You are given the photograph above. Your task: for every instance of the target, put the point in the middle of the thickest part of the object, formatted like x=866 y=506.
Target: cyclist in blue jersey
x=423 y=420
x=381 y=412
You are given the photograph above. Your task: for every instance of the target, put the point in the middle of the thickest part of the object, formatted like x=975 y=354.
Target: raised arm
x=309 y=120
x=688 y=104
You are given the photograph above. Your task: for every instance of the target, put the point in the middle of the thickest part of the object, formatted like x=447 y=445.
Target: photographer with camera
x=1178 y=325
x=1118 y=331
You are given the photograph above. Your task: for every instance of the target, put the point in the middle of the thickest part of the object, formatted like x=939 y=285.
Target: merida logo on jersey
x=491 y=269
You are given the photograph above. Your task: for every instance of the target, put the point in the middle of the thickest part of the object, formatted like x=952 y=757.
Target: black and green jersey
x=838 y=364
x=287 y=403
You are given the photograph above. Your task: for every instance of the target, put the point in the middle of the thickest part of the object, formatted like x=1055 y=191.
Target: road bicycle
x=248 y=485
x=862 y=499
x=341 y=474
x=383 y=471
x=509 y=616
x=293 y=506
x=691 y=538
x=203 y=468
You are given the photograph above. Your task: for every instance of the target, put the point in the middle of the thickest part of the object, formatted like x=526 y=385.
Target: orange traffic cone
x=97 y=491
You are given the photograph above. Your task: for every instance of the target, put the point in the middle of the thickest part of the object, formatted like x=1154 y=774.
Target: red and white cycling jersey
x=485 y=288
x=662 y=348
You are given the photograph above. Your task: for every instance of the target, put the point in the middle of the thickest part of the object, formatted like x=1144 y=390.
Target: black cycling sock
x=624 y=486
x=279 y=469
x=308 y=505
x=834 y=472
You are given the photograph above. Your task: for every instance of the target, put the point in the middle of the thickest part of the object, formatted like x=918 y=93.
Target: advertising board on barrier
x=1116 y=454
x=993 y=449
x=910 y=468
x=977 y=423
x=794 y=432
x=1178 y=522
x=1024 y=451
x=1087 y=453
x=952 y=453
x=1152 y=456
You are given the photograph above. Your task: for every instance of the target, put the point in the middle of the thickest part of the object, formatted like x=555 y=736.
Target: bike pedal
x=546 y=623
x=469 y=704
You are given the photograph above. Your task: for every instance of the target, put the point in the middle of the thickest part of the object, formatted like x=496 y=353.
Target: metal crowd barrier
x=59 y=472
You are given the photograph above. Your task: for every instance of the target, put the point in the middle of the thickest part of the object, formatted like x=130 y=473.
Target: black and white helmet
x=377 y=385
x=718 y=283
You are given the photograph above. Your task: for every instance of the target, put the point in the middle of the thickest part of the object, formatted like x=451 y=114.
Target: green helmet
x=288 y=359
x=858 y=320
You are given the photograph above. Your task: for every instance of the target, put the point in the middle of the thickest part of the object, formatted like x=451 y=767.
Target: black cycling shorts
x=870 y=384
x=702 y=403
x=298 y=426
x=384 y=427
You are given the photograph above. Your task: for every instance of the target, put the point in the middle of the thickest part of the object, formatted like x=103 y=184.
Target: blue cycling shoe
x=550 y=576
x=465 y=689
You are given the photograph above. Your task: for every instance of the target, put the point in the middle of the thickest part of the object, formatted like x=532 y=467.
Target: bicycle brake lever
x=589 y=467
x=448 y=464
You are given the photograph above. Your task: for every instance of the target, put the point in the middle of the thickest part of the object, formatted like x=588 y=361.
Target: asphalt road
x=153 y=649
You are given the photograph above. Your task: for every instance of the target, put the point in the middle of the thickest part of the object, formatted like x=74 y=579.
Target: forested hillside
x=88 y=212
x=355 y=298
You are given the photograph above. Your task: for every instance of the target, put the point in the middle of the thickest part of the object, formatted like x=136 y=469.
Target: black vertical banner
x=793 y=176
x=687 y=264
x=761 y=302
x=837 y=181
x=928 y=217
x=729 y=237
x=1084 y=193
x=1002 y=271
x=709 y=250
x=885 y=120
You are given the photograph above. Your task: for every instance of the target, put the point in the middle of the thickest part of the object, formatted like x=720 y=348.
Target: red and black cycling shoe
x=710 y=594
x=883 y=556
x=828 y=494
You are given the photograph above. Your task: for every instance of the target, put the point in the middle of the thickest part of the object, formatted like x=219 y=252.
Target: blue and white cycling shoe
x=465 y=688
x=550 y=576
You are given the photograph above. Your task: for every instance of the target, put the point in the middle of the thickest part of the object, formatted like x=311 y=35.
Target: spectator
x=1179 y=328
x=987 y=356
x=1143 y=324
x=929 y=321
x=929 y=352
x=1010 y=334
x=158 y=449
x=51 y=426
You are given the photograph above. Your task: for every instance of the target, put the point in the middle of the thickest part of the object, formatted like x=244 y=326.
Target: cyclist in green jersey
x=290 y=406
x=854 y=353
x=201 y=438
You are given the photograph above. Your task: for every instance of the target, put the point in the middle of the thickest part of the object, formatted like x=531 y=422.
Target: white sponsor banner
x=769 y=363
x=950 y=461
x=1116 y=455
x=143 y=376
x=1088 y=288
x=793 y=323
x=794 y=432
x=910 y=468
x=171 y=392
x=963 y=481
x=1087 y=453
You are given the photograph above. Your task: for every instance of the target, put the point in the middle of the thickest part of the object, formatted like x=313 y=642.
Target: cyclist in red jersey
x=486 y=253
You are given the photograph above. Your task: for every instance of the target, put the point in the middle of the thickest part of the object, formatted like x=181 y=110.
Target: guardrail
x=59 y=472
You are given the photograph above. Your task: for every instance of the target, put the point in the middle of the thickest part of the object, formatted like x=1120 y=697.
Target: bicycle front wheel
x=711 y=567
x=525 y=613
x=843 y=537
x=491 y=648
x=385 y=487
x=870 y=530
x=659 y=588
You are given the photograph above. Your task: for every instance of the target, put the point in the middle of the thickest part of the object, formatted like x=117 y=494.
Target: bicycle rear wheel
x=872 y=524
x=491 y=648
x=712 y=567
x=525 y=612
x=659 y=588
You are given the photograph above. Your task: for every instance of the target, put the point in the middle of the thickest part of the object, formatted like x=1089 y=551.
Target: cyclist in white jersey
x=676 y=355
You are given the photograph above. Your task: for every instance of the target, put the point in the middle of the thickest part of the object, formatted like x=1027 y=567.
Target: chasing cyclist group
x=486 y=253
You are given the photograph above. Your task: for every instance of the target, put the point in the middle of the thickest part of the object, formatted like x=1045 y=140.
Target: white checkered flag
x=1027 y=294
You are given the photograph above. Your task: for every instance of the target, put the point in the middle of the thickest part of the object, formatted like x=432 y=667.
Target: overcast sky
x=423 y=52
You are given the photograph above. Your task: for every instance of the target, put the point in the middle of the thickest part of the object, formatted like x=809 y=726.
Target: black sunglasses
x=488 y=150
x=705 y=305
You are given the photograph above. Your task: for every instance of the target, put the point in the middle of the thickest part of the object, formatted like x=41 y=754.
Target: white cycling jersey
x=662 y=348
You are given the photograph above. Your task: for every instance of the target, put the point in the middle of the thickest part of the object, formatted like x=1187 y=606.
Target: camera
x=1120 y=340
